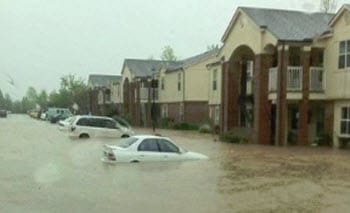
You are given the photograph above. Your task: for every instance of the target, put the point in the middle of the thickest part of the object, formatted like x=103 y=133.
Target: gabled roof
x=286 y=25
x=339 y=13
x=145 y=68
x=96 y=80
x=193 y=60
x=141 y=68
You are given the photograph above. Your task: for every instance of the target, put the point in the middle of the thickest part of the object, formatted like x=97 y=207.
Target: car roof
x=149 y=137
x=93 y=116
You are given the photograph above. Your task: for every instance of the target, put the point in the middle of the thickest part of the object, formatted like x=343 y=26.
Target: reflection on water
x=42 y=170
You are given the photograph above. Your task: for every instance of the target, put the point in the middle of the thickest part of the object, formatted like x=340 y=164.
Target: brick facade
x=196 y=112
x=281 y=105
x=262 y=106
x=303 y=129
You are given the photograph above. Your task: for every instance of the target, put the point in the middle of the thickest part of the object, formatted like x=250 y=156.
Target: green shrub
x=239 y=136
x=206 y=128
x=324 y=140
x=185 y=126
x=166 y=123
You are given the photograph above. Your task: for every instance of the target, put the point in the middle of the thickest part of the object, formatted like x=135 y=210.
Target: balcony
x=144 y=94
x=294 y=79
x=317 y=80
x=273 y=79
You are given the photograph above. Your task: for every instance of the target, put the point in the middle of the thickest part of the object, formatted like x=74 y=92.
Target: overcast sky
x=42 y=40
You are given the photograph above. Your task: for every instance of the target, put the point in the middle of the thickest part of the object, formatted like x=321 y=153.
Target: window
x=345 y=121
x=110 y=124
x=344 y=54
x=108 y=95
x=181 y=111
x=179 y=81
x=165 y=111
x=83 y=122
x=215 y=77
x=162 y=83
x=167 y=146
x=217 y=115
x=148 y=145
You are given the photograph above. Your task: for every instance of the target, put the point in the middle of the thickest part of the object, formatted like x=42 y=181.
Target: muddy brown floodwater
x=42 y=170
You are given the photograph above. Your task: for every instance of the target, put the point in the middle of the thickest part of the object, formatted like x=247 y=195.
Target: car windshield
x=70 y=120
x=126 y=142
x=122 y=122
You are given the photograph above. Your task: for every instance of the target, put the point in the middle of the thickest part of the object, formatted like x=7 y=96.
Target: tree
x=31 y=98
x=2 y=100
x=72 y=91
x=328 y=6
x=7 y=102
x=42 y=99
x=212 y=47
x=168 y=54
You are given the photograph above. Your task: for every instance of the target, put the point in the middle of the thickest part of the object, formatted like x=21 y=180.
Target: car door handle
x=142 y=156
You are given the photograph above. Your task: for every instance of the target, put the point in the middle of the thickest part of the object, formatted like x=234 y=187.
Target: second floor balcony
x=294 y=79
x=146 y=93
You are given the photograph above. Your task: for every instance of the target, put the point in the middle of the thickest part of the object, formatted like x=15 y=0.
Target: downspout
x=183 y=93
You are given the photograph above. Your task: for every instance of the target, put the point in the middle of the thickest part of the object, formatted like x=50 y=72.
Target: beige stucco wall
x=170 y=94
x=116 y=93
x=246 y=32
x=214 y=95
x=197 y=80
x=337 y=80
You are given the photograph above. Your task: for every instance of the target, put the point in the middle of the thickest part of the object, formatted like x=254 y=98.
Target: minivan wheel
x=125 y=136
x=84 y=136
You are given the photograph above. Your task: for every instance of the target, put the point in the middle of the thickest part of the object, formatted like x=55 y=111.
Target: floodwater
x=42 y=170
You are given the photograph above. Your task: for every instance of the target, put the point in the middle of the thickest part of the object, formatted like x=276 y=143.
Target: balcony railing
x=294 y=78
x=273 y=79
x=144 y=94
x=317 y=80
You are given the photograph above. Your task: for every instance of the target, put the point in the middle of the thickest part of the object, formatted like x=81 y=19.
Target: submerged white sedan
x=146 y=148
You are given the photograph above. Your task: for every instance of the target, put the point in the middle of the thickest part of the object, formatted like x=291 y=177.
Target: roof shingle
x=103 y=80
x=290 y=25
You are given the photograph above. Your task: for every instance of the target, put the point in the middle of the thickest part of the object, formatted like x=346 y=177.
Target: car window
x=83 y=122
x=96 y=122
x=167 y=146
x=127 y=142
x=149 y=145
x=110 y=124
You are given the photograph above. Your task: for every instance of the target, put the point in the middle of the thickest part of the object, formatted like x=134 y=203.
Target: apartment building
x=300 y=77
x=102 y=93
x=176 y=90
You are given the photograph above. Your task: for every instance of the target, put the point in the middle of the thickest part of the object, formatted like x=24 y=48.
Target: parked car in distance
x=3 y=113
x=43 y=116
x=55 y=112
x=59 y=117
x=86 y=126
x=147 y=148
x=64 y=125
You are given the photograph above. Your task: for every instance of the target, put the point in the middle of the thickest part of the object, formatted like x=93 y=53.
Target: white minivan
x=97 y=126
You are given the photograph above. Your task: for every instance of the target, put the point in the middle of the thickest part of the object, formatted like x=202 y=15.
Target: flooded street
x=42 y=170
